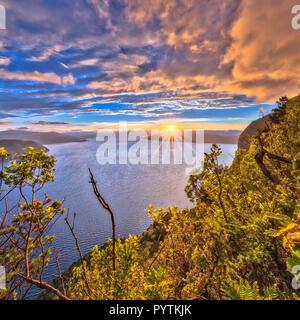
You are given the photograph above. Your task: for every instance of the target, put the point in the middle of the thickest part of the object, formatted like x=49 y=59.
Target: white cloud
x=4 y=61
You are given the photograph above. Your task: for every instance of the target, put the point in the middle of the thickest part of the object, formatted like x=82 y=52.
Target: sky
x=84 y=64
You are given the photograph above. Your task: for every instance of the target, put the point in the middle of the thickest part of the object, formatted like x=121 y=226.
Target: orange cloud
x=240 y=46
x=38 y=77
x=265 y=50
x=197 y=31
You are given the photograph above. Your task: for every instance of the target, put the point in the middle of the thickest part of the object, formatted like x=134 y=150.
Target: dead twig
x=157 y=256
x=43 y=285
x=59 y=272
x=80 y=254
x=259 y=158
x=105 y=205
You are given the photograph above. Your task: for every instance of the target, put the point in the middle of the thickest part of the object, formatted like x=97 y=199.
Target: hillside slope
x=240 y=240
x=244 y=140
x=17 y=146
x=38 y=137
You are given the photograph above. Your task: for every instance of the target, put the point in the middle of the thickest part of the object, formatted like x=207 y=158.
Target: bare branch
x=59 y=271
x=156 y=257
x=44 y=285
x=105 y=205
x=279 y=158
x=259 y=158
x=80 y=254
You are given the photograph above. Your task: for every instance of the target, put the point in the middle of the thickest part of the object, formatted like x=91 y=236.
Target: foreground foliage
x=241 y=239
x=24 y=229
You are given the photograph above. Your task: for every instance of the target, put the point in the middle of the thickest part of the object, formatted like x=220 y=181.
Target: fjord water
x=129 y=189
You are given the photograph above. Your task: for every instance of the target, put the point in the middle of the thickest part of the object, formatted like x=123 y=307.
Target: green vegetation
x=241 y=239
x=24 y=239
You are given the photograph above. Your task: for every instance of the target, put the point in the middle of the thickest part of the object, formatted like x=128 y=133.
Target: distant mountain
x=210 y=136
x=214 y=138
x=224 y=132
x=39 y=137
x=251 y=131
x=17 y=146
x=82 y=134
x=217 y=138
x=221 y=139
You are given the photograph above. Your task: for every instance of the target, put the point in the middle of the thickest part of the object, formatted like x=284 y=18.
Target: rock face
x=220 y=139
x=251 y=131
x=39 y=137
x=17 y=146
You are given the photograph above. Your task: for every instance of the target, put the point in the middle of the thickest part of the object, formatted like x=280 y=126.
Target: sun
x=171 y=128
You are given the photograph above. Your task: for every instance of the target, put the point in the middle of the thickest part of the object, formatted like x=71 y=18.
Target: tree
x=24 y=241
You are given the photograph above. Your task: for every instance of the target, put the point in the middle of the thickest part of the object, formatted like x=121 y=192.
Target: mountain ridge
x=38 y=137
x=13 y=146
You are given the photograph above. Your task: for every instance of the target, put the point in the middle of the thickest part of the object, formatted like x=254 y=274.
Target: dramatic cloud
x=37 y=77
x=89 y=61
x=45 y=123
x=3 y=123
x=265 y=51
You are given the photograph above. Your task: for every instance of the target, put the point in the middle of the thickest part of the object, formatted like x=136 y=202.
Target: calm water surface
x=129 y=189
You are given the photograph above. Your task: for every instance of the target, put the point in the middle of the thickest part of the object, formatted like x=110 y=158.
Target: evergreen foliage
x=241 y=239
